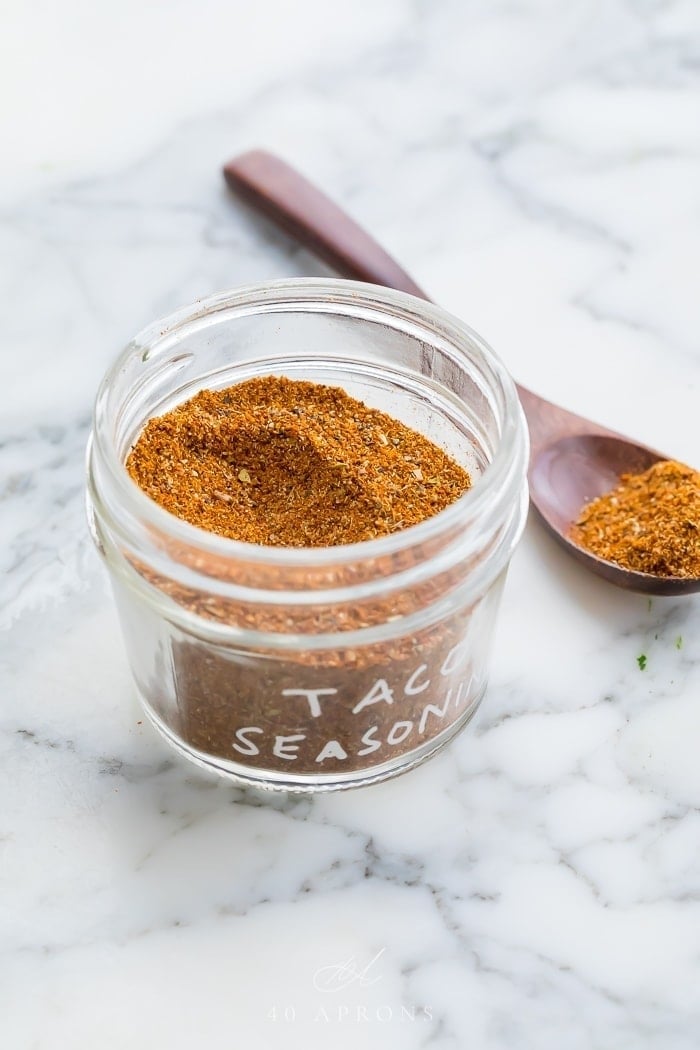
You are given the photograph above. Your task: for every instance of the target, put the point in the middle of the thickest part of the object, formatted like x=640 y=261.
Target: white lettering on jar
x=427 y=721
x=379 y=693
x=331 y=750
x=312 y=696
x=411 y=689
x=286 y=746
x=245 y=746
x=370 y=744
x=432 y=709
x=453 y=659
x=398 y=733
x=465 y=691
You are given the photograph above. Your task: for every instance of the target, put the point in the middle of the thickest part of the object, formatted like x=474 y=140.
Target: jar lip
x=507 y=460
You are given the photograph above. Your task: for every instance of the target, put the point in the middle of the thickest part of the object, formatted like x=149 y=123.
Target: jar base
x=273 y=780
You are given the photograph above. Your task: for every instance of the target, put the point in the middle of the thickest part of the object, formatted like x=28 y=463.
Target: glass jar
x=313 y=668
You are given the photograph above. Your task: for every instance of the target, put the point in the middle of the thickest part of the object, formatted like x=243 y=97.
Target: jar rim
x=509 y=460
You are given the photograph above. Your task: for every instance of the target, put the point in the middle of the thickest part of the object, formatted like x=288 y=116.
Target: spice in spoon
x=649 y=523
x=290 y=463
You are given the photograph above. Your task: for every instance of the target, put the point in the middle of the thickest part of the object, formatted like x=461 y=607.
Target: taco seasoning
x=649 y=523
x=307 y=583
x=292 y=464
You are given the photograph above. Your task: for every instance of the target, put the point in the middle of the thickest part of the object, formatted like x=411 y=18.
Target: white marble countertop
x=536 y=165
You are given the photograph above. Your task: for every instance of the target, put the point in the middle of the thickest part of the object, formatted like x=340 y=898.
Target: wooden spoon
x=572 y=460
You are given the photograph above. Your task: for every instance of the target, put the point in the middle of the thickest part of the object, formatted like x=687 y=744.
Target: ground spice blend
x=287 y=463
x=649 y=523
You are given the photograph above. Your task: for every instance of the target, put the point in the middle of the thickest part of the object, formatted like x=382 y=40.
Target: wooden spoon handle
x=291 y=201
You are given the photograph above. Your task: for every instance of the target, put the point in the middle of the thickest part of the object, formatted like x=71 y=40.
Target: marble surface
x=536 y=165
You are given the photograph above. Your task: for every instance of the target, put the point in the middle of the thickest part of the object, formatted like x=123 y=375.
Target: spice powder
x=287 y=463
x=294 y=464
x=649 y=523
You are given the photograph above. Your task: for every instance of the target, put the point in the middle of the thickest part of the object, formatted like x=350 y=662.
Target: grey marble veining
x=536 y=166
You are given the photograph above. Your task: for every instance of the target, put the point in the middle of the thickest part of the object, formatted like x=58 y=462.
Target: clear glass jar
x=313 y=668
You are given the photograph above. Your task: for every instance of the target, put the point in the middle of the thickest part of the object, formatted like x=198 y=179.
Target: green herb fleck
x=649 y=604
x=642 y=661
x=679 y=641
